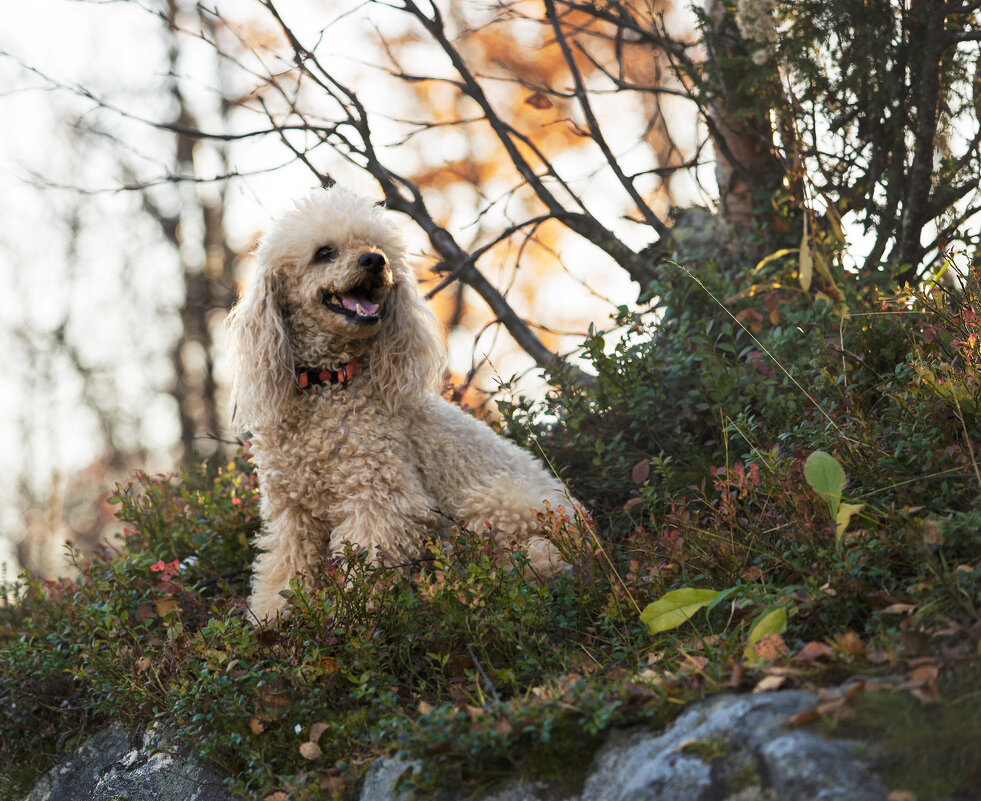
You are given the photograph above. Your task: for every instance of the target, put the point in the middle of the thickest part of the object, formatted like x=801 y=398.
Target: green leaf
x=843 y=518
x=773 y=621
x=721 y=596
x=674 y=608
x=827 y=478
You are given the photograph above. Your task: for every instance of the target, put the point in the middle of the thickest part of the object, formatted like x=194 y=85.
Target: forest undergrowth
x=783 y=491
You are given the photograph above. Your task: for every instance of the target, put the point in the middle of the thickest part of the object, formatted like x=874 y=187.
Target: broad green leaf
x=805 y=262
x=773 y=621
x=674 y=608
x=844 y=516
x=827 y=478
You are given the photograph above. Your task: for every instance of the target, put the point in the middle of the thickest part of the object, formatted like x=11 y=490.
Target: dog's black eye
x=325 y=253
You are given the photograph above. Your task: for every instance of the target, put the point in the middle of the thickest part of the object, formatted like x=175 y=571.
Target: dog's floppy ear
x=261 y=357
x=407 y=356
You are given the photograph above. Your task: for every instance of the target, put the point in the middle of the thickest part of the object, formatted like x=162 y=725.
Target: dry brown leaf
x=641 y=471
x=275 y=703
x=332 y=784
x=310 y=750
x=752 y=573
x=901 y=795
x=931 y=532
x=856 y=690
x=768 y=683
x=803 y=718
x=165 y=605
x=329 y=664
x=502 y=726
x=922 y=684
x=923 y=674
x=143 y=663
x=696 y=662
x=926 y=694
x=813 y=652
x=700 y=643
x=736 y=677
x=424 y=708
x=770 y=646
x=256 y=726
x=899 y=609
x=630 y=504
x=839 y=710
x=912 y=642
x=317 y=731
x=144 y=612
x=275 y=795
x=851 y=644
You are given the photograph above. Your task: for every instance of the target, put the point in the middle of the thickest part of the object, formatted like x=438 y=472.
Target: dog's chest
x=330 y=448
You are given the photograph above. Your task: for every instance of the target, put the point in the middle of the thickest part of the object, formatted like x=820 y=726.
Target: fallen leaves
x=317 y=730
x=851 y=644
x=833 y=703
x=165 y=605
x=310 y=750
x=273 y=704
x=769 y=683
x=922 y=683
x=769 y=647
x=813 y=652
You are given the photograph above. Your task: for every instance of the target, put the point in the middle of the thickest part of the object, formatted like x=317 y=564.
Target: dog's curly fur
x=381 y=460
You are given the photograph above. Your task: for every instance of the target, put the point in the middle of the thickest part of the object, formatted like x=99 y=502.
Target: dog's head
x=331 y=284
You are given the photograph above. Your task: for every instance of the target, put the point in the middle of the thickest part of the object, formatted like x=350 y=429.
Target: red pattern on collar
x=307 y=377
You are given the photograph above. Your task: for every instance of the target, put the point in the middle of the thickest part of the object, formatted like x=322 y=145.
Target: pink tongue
x=352 y=303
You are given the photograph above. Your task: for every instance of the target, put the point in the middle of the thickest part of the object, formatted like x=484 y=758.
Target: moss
x=744 y=778
x=933 y=749
x=564 y=760
x=707 y=749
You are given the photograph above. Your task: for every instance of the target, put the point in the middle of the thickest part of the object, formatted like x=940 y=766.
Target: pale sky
x=120 y=268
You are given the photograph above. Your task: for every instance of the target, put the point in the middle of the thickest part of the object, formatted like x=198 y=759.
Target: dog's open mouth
x=361 y=304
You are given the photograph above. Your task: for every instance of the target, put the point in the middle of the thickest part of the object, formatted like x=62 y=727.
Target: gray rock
x=727 y=748
x=113 y=765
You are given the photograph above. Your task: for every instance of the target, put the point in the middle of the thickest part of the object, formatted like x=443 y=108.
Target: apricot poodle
x=337 y=365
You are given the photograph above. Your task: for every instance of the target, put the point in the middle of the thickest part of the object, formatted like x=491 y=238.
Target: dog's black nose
x=372 y=262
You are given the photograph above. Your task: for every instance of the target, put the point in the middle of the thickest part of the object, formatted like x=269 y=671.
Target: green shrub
x=690 y=450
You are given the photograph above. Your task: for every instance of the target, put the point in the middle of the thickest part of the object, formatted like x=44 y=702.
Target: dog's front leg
x=286 y=551
x=390 y=527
